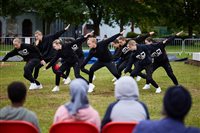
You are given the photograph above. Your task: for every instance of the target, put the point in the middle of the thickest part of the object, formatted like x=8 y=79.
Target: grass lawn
x=45 y=103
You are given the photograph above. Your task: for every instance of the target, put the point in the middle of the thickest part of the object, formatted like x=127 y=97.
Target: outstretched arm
x=111 y=39
x=58 y=34
x=141 y=38
x=168 y=40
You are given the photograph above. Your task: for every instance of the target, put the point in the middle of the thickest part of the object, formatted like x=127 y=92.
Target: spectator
x=127 y=107
x=78 y=109
x=176 y=104
x=17 y=95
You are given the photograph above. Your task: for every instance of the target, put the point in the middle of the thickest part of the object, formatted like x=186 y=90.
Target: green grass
x=45 y=103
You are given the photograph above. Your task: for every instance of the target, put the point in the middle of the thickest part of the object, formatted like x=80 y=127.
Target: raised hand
x=122 y=32
x=177 y=34
x=151 y=33
x=89 y=34
x=67 y=27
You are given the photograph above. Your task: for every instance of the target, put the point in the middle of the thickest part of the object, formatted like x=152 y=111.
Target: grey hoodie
x=20 y=113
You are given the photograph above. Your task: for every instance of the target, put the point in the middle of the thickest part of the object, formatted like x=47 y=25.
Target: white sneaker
x=158 y=90
x=115 y=82
x=146 y=87
x=55 y=89
x=114 y=79
x=67 y=81
x=33 y=86
x=138 y=78
x=91 y=87
x=94 y=77
x=40 y=86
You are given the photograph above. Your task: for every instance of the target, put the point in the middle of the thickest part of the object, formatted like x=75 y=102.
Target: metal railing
x=177 y=46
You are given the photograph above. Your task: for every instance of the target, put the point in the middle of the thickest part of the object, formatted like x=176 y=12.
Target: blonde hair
x=57 y=41
x=38 y=32
x=17 y=39
x=132 y=42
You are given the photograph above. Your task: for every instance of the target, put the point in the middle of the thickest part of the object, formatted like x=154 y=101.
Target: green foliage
x=131 y=35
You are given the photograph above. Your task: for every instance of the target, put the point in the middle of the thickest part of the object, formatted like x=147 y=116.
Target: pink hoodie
x=86 y=114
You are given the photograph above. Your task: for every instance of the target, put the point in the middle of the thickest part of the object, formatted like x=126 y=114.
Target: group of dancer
x=141 y=51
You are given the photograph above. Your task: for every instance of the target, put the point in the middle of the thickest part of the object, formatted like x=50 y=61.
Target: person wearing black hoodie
x=159 y=55
x=32 y=57
x=68 y=56
x=102 y=53
x=44 y=44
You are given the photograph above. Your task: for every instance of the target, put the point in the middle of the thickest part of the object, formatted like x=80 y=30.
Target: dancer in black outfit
x=102 y=53
x=125 y=53
x=141 y=59
x=32 y=57
x=68 y=56
x=44 y=44
x=160 y=58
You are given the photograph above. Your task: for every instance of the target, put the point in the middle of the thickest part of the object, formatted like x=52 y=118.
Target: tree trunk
x=132 y=26
x=190 y=30
x=96 y=29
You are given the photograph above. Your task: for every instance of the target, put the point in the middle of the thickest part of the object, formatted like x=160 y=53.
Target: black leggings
x=97 y=65
x=66 y=67
x=37 y=69
x=166 y=65
x=138 y=68
x=28 y=70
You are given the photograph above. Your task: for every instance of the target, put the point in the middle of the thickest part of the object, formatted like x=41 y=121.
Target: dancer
x=160 y=58
x=44 y=44
x=102 y=53
x=70 y=59
x=33 y=58
x=141 y=59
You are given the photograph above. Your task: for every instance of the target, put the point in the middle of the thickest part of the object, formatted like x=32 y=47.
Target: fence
x=177 y=46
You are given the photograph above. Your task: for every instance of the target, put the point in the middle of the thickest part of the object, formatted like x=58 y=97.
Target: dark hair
x=177 y=102
x=115 y=41
x=16 y=92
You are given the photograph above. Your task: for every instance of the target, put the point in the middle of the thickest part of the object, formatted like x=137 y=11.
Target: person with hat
x=127 y=106
x=176 y=105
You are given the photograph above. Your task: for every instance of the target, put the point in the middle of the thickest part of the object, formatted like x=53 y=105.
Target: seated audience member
x=176 y=104
x=78 y=109
x=17 y=95
x=127 y=107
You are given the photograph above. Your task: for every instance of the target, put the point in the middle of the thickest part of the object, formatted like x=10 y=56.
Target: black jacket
x=26 y=51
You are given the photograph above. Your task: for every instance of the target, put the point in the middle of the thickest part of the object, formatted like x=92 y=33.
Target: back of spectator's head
x=126 y=88
x=177 y=102
x=78 y=91
x=17 y=92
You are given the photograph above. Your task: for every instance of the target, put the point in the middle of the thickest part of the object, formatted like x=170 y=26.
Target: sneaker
x=67 y=81
x=146 y=87
x=114 y=79
x=158 y=90
x=138 y=78
x=33 y=86
x=40 y=86
x=55 y=89
x=115 y=82
x=94 y=77
x=91 y=87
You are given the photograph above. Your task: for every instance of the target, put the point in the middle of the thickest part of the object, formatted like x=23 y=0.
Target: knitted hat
x=177 y=102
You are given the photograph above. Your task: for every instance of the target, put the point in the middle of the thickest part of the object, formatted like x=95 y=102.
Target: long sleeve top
x=45 y=46
x=26 y=51
x=101 y=52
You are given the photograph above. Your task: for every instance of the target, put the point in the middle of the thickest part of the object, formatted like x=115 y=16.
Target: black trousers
x=37 y=69
x=138 y=68
x=121 y=65
x=166 y=65
x=98 y=64
x=66 y=67
x=28 y=70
